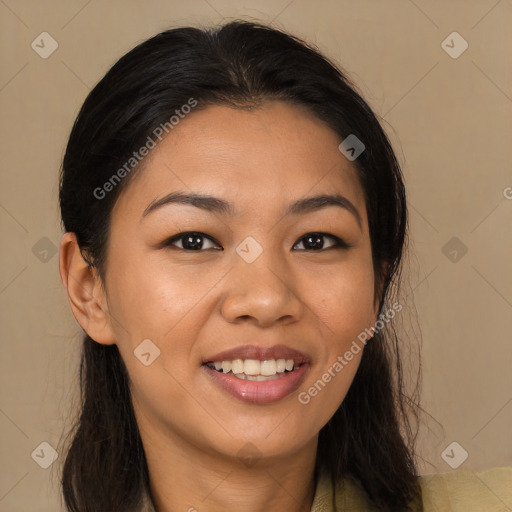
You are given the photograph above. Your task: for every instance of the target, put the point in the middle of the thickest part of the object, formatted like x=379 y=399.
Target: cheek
x=344 y=313
x=154 y=300
x=343 y=301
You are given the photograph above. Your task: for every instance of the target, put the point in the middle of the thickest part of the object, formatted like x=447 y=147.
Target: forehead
x=268 y=155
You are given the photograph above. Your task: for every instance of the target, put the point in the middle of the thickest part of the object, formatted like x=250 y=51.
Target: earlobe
x=85 y=291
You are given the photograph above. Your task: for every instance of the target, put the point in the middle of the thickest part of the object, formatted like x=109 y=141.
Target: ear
x=85 y=291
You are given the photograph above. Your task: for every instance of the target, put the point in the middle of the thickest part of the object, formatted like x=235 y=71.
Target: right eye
x=191 y=241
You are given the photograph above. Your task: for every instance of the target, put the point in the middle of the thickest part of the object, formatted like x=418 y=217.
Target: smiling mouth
x=254 y=369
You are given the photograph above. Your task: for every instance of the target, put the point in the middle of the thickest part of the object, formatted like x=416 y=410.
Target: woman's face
x=250 y=283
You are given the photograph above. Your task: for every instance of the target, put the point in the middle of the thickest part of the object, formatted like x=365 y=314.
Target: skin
x=193 y=304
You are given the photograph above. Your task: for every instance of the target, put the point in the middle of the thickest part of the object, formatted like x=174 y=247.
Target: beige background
x=449 y=119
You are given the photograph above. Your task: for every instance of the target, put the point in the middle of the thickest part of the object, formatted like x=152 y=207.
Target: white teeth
x=253 y=369
x=237 y=366
x=281 y=365
x=260 y=378
x=268 y=367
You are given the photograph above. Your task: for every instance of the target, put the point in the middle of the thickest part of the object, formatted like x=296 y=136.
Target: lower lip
x=259 y=392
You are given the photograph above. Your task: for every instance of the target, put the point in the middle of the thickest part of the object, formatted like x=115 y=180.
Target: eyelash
x=338 y=242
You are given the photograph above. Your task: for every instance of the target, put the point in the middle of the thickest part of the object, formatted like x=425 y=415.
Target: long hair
x=240 y=64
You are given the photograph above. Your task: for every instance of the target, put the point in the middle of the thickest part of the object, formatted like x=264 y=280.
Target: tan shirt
x=457 y=491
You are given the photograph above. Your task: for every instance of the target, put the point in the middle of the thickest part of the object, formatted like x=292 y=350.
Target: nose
x=261 y=292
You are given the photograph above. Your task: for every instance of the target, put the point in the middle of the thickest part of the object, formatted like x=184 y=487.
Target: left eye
x=315 y=242
x=192 y=241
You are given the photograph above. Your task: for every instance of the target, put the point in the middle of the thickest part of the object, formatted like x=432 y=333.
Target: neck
x=186 y=478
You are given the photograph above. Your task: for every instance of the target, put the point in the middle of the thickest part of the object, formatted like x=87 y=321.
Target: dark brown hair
x=369 y=438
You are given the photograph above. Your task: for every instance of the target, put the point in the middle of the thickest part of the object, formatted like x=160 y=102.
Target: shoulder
x=480 y=491
x=456 y=491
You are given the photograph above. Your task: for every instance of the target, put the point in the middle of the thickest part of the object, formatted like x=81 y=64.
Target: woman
x=234 y=226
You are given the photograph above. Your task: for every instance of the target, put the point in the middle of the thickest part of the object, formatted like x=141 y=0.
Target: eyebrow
x=216 y=205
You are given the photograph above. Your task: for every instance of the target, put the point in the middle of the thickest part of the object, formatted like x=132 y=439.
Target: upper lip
x=259 y=353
